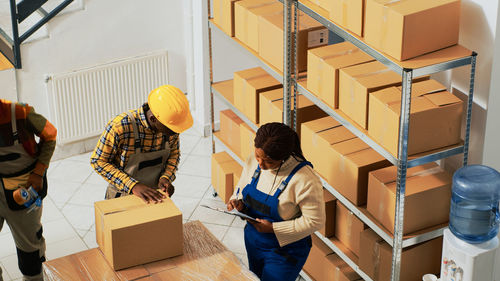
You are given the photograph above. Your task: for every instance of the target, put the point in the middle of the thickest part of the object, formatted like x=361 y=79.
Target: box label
x=317 y=38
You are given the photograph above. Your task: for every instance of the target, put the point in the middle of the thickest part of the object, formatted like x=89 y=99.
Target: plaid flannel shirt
x=116 y=144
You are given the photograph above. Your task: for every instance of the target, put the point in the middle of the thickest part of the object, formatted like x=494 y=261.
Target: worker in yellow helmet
x=138 y=152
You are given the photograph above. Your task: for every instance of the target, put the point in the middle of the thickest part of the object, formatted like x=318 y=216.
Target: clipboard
x=233 y=212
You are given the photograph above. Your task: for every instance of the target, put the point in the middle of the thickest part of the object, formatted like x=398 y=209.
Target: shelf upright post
x=211 y=73
x=404 y=124
x=469 y=107
x=296 y=61
x=287 y=61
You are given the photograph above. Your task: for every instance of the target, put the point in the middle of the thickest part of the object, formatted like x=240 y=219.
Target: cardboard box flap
x=405 y=7
x=363 y=69
x=417 y=105
x=305 y=21
x=350 y=146
x=119 y=205
x=425 y=87
x=365 y=157
x=388 y=96
x=263 y=81
x=251 y=73
x=389 y=174
x=336 y=135
x=443 y=98
x=267 y=9
x=140 y=216
x=332 y=50
x=348 y=59
x=273 y=95
x=321 y=124
x=416 y=184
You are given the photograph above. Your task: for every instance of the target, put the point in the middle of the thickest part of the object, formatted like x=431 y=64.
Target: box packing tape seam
x=350 y=215
x=345 y=12
x=363 y=75
x=385 y=26
x=319 y=66
x=376 y=259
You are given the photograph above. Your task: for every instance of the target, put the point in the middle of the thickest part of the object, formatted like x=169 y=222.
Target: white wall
x=8 y=84
x=102 y=32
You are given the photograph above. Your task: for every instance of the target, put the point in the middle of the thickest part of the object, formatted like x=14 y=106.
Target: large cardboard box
x=309 y=136
x=247 y=136
x=435 y=117
x=323 y=265
x=348 y=13
x=406 y=29
x=230 y=130
x=225 y=170
x=205 y=258
x=247 y=13
x=120 y=221
x=248 y=84
x=375 y=258
x=271 y=109
x=357 y=82
x=427 y=200
x=310 y=34
x=323 y=64
x=348 y=228
x=223 y=14
x=330 y=206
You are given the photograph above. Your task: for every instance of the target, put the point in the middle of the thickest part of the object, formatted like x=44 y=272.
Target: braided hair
x=278 y=141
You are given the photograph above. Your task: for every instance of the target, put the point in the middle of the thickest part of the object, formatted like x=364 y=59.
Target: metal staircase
x=10 y=47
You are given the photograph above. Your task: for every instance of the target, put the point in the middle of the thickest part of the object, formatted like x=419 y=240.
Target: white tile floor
x=68 y=214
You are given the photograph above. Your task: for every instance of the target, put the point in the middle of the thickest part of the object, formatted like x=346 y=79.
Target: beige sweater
x=301 y=204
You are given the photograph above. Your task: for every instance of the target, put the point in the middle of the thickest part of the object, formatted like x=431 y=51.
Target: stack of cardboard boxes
x=226 y=173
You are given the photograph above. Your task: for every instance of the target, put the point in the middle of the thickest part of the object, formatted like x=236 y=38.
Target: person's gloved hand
x=147 y=193
x=166 y=186
x=36 y=181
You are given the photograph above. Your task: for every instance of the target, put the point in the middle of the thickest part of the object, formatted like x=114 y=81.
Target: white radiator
x=83 y=101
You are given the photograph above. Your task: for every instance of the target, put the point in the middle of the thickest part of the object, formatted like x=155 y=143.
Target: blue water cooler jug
x=474 y=215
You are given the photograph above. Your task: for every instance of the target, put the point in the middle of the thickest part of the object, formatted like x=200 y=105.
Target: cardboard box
x=225 y=170
x=309 y=136
x=357 y=82
x=316 y=264
x=120 y=221
x=271 y=109
x=348 y=13
x=323 y=265
x=375 y=258
x=247 y=14
x=323 y=64
x=248 y=84
x=247 y=136
x=407 y=29
x=205 y=258
x=310 y=32
x=223 y=14
x=230 y=130
x=427 y=200
x=348 y=228
x=330 y=205
x=435 y=117
x=344 y=161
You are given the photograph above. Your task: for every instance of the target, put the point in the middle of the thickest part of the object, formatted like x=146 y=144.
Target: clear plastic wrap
x=204 y=258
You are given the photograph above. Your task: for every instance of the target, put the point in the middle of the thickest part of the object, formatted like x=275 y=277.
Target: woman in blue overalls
x=284 y=194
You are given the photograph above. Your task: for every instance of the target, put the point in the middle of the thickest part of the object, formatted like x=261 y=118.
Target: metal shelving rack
x=452 y=57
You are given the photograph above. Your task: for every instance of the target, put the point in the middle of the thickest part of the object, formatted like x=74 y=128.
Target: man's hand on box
x=147 y=193
x=166 y=186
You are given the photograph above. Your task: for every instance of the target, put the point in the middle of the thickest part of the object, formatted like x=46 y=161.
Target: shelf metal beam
x=218 y=141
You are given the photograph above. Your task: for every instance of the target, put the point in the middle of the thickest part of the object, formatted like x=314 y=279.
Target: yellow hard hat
x=170 y=106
